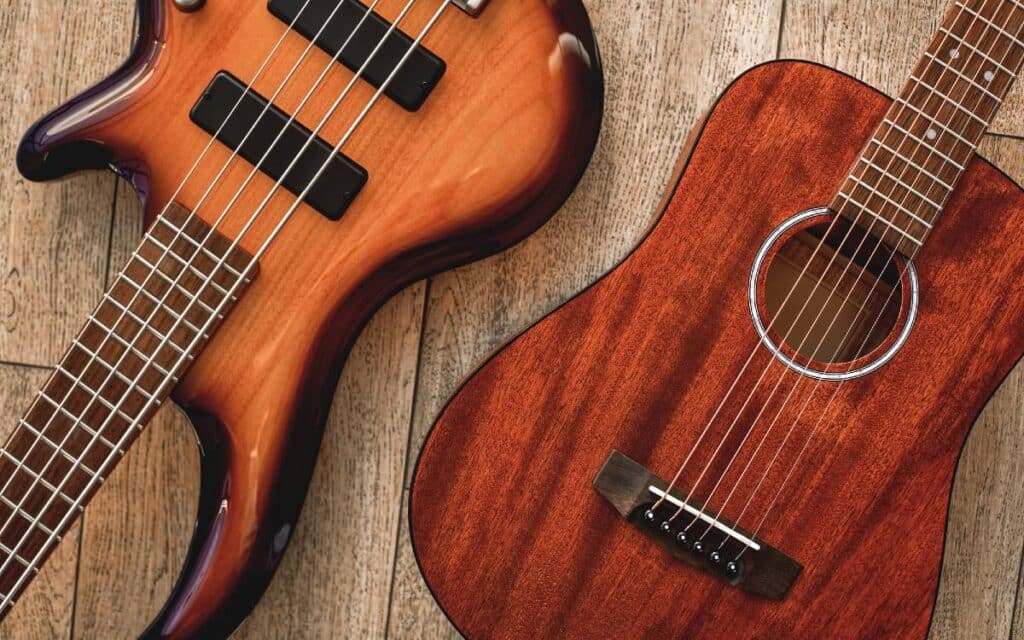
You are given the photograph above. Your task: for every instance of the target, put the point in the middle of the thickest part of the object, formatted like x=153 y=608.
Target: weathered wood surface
x=350 y=572
x=54 y=245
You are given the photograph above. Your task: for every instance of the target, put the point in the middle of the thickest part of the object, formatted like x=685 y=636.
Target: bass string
x=189 y=174
x=836 y=389
x=128 y=350
x=814 y=323
x=266 y=245
x=758 y=344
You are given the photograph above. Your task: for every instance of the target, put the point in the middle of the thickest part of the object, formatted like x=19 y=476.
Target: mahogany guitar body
x=515 y=542
x=498 y=145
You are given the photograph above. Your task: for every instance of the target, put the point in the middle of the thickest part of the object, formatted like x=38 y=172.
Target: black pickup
x=413 y=82
x=340 y=182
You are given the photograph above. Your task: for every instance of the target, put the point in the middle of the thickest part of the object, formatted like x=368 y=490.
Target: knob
x=189 y=5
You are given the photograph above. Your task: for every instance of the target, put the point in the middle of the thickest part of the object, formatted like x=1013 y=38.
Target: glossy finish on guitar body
x=514 y=541
x=494 y=151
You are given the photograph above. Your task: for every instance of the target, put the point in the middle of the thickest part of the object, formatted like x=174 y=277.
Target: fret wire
x=120 y=376
x=137 y=288
x=964 y=76
x=139 y=354
x=909 y=187
x=941 y=95
x=99 y=436
x=183 y=235
x=924 y=144
x=43 y=481
x=97 y=394
x=34 y=521
x=38 y=479
x=109 y=405
x=53 y=445
x=134 y=316
x=182 y=261
x=978 y=51
x=939 y=181
x=934 y=119
x=10 y=553
x=111 y=334
x=169 y=342
x=991 y=24
x=891 y=201
x=221 y=290
x=878 y=217
x=123 y=276
x=85 y=427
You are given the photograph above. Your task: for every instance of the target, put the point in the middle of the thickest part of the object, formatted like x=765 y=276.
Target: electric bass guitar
x=300 y=161
x=749 y=428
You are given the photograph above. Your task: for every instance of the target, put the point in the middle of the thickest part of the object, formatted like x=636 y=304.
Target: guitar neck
x=151 y=324
x=913 y=162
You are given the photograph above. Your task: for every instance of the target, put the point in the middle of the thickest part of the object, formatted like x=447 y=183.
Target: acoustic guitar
x=749 y=428
x=300 y=161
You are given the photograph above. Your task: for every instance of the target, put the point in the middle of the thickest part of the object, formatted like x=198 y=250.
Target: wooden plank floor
x=349 y=571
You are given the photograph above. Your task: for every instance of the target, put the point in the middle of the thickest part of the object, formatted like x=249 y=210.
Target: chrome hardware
x=760 y=262
x=189 y=5
x=472 y=7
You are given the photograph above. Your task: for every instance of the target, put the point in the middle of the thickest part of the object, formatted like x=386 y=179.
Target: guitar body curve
x=500 y=143
x=515 y=542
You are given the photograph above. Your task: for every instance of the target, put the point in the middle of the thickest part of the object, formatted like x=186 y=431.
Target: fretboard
x=916 y=157
x=139 y=341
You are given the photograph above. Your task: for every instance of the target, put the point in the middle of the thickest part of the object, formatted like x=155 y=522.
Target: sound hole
x=846 y=292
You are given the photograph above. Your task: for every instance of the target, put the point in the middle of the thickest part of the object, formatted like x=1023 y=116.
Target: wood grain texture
x=53 y=248
x=877 y=41
x=655 y=94
x=524 y=127
x=985 y=537
x=530 y=428
x=665 y=64
x=45 y=610
x=336 y=576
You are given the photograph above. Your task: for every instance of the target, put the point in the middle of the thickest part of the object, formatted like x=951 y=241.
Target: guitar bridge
x=716 y=547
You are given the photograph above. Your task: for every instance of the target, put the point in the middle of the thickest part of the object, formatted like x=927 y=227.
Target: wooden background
x=350 y=570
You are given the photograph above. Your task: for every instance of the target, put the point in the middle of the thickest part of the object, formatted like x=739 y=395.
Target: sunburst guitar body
x=724 y=437
x=300 y=161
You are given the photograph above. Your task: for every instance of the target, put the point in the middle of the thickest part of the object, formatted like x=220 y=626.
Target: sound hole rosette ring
x=909 y=280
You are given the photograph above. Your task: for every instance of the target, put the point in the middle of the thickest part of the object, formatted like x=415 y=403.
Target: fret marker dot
x=954 y=53
x=931 y=134
x=989 y=76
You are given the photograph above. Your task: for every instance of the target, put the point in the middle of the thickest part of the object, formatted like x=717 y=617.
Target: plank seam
x=405 y=464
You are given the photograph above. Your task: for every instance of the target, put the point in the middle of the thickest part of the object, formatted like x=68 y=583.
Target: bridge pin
x=682 y=538
x=732 y=568
x=649 y=515
x=716 y=557
x=698 y=546
x=666 y=526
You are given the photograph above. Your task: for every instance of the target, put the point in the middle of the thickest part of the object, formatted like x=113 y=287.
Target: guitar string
x=814 y=390
x=276 y=231
x=136 y=383
x=1015 y=73
x=759 y=344
x=76 y=381
x=57 y=407
x=266 y=246
x=901 y=179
